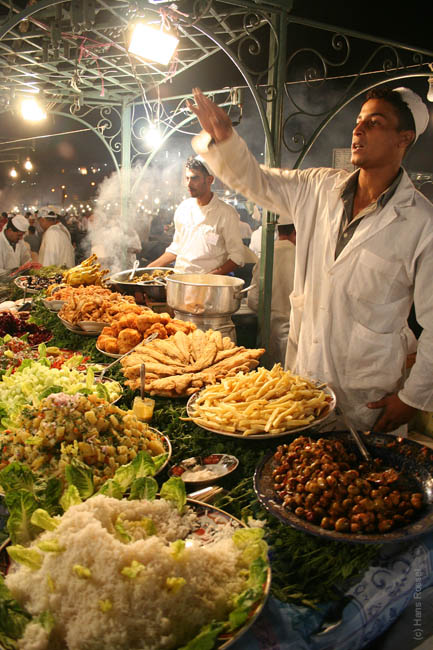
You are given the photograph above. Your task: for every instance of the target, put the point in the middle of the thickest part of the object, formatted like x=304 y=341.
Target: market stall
x=330 y=586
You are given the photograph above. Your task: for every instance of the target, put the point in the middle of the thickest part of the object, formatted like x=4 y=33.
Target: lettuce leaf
x=30 y=557
x=174 y=490
x=80 y=475
x=111 y=488
x=21 y=505
x=144 y=488
x=17 y=476
x=42 y=519
x=205 y=639
x=13 y=618
x=70 y=497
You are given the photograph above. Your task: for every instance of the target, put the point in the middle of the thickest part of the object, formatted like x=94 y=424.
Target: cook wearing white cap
x=56 y=247
x=14 y=252
x=364 y=254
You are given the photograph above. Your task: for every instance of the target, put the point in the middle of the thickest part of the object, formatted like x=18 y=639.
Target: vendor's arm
x=225 y=268
x=164 y=260
x=417 y=392
x=230 y=159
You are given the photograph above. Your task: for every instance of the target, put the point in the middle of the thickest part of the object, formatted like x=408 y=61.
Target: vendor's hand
x=212 y=118
x=394 y=413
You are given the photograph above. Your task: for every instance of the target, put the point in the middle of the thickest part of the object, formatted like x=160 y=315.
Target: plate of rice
x=115 y=574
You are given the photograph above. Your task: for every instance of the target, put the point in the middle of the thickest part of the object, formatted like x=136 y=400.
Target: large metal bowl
x=143 y=292
x=204 y=293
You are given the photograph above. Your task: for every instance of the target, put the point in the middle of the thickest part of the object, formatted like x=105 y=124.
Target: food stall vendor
x=364 y=253
x=14 y=252
x=207 y=238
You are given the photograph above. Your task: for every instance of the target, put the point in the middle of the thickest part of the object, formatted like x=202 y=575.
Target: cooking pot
x=205 y=293
x=143 y=292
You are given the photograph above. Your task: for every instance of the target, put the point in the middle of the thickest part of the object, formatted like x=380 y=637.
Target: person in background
x=244 y=226
x=364 y=253
x=206 y=237
x=14 y=252
x=34 y=241
x=282 y=287
x=56 y=247
x=3 y=220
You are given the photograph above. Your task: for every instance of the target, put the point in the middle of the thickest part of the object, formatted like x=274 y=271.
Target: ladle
x=134 y=268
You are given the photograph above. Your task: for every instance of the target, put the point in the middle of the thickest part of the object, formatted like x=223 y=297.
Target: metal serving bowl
x=143 y=292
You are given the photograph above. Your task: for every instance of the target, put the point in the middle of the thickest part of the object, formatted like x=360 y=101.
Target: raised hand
x=212 y=118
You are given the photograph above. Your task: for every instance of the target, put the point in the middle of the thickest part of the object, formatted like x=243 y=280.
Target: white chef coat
x=10 y=258
x=282 y=287
x=349 y=314
x=206 y=236
x=56 y=247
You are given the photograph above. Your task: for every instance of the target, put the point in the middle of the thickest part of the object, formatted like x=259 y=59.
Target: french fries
x=262 y=401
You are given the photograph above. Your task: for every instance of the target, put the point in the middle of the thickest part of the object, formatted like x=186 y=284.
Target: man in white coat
x=207 y=238
x=14 y=252
x=56 y=247
x=282 y=286
x=364 y=252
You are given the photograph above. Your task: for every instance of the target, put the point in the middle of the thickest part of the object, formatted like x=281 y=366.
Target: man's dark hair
x=197 y=165
x=286 y=229
x=5 y=214
x=404 y=114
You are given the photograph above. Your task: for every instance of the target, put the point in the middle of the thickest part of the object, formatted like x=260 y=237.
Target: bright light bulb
x=32 y=111
x=28 y=165
x=153 y=136
x=152 y=43
x=13 y=172
x=430 y=89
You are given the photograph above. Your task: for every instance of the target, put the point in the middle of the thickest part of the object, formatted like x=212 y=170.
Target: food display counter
x=326 y=590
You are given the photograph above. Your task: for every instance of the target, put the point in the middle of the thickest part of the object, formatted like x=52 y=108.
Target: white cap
x=20 y=222
x=417 y=107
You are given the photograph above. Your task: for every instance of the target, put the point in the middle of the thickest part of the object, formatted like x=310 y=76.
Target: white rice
x=145 y=612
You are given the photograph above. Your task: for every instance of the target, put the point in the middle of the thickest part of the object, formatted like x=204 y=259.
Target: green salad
x=34 y=380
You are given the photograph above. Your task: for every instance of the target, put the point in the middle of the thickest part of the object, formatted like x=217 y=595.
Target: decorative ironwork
x=302 y=124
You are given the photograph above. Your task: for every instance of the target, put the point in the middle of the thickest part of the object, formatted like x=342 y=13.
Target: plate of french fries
x=261 y=404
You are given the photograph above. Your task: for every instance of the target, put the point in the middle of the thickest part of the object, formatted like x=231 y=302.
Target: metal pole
x=276 y=79
x=125 y=172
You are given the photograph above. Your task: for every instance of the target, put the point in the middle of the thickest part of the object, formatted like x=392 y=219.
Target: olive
x=331 y=480
x=322 y=483
x=355 y=527
x=352 y=490
x=342 y=525
x=416 y=501
x=409 y=513
x=300 y=488
x=310 y=500
x=319 y=512
x=310 y=516
x=312 y=486
x=299 y=499
x=385 y=525
x=300 y=512
x=379 y=504
x=366 y=504
x=327 y=523
x=347 y=504
x=357 y=509
x=336 y=509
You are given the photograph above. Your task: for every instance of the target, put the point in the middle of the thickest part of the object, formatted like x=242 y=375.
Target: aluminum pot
x=207 y=294
x=143 y=292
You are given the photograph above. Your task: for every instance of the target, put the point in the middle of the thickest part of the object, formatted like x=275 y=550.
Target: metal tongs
x=134 y=268
x=374 y=474
x=143 y=342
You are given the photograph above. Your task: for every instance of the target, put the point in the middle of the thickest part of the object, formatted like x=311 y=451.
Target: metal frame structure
x=75 y=53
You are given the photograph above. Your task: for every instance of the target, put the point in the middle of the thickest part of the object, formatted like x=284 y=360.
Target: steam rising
x=154 y=193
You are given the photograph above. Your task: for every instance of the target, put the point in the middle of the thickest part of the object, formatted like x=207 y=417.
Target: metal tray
x=405 y=455
x=266 y=436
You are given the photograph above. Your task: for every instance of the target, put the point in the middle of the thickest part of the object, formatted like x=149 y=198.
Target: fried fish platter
x=182 y=364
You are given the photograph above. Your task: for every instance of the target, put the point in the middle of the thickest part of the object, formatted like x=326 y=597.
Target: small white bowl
x=95 y=327
x=53 y=305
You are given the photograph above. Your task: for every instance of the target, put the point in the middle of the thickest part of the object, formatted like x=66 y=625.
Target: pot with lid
x=204 y=293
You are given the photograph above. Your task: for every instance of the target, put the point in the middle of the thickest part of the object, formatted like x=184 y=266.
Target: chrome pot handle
x=245 y=290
